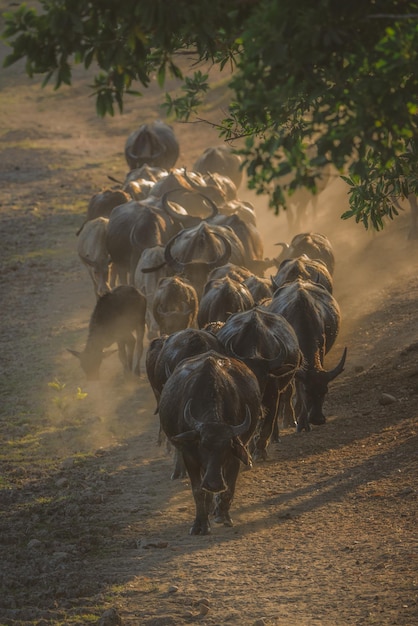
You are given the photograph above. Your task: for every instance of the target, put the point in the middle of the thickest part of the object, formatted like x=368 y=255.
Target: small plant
x=80 y=395
x=63 y=400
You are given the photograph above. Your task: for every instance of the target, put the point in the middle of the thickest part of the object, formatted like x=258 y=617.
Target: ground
x=92 y=530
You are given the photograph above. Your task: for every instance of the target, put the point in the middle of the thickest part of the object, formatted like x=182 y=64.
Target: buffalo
x=150 y=268
x=195 y=251
x=220 y=160
x=166 y=351
x=153 y=144
x=315 y=317
x=267 y=343
x=314 y=245
x=209 y=410
x=305 y=268
x=162 y=356
x=221 y=298
x=92 y=250
x=118 y=317
x=175 y=304
x=101 y=204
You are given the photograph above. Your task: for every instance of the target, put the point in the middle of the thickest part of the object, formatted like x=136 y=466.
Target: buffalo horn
x=148 y=270
x=240 y=429
x=168 y=209
x=176 y=265
x=167 y=371
x=185 y=217
x=223 y=258
x=179 y=266
x=285 y=246
x=331 y=374
x=237 y=430
x=188 y=417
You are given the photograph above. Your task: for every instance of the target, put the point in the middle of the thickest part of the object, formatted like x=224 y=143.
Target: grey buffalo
x=220 y=160
x=92 y=250
x=154 y=144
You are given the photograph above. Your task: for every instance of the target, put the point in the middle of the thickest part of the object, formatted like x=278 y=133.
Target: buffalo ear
x=74 y=353
x=241 y=452
x=189 y=436
x=107 y=353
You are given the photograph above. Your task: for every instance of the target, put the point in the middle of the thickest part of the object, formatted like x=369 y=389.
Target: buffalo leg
x=286 y=412
x=139 y=348
x=179 y=470
x=123 y=357
x=223 y=500
x=301 y=409
x=270 y=404
x=203 y=499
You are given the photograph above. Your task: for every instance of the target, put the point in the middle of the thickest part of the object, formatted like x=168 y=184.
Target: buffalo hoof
x=303 y=426
x=200 y=529
x=318 y=421
x=178 y=474
x=226 y=520
x=260 y=454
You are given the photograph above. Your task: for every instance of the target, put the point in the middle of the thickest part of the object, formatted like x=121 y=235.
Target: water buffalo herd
x=176 y=256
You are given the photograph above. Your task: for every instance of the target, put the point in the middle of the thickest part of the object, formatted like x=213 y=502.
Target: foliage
x=313 y=83
x=62 y=400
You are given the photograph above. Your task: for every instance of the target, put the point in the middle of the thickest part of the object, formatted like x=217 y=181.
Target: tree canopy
x=313 y=84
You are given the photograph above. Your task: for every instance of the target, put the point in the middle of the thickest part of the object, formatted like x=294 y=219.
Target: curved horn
x=285 y=246
x=240 y=429
x=115 y=180
x=148 y=270
x=331 y=374
x=167 y=371
x=188 y=417
x=230 y=350
x=176 y=265
x=193 y=184
x=213 y=206
x=184 y=218
x=188 y=179
x=223 y=258
x=81 y=227
x=169 y=210
x=273 y=282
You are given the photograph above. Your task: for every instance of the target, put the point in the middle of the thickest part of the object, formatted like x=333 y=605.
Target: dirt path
x=325 y=530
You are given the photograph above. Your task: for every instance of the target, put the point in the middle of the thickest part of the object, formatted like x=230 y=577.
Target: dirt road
x=91 y=527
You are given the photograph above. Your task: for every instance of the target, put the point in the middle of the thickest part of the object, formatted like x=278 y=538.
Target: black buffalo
x=315 y=316
x=221 y=298
x=314 y=245
x=165 y=352
x=209 y=409
x=305 y=268
x=118 y=317
x=162 y=356
x=267 y=343
x=175 y=304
